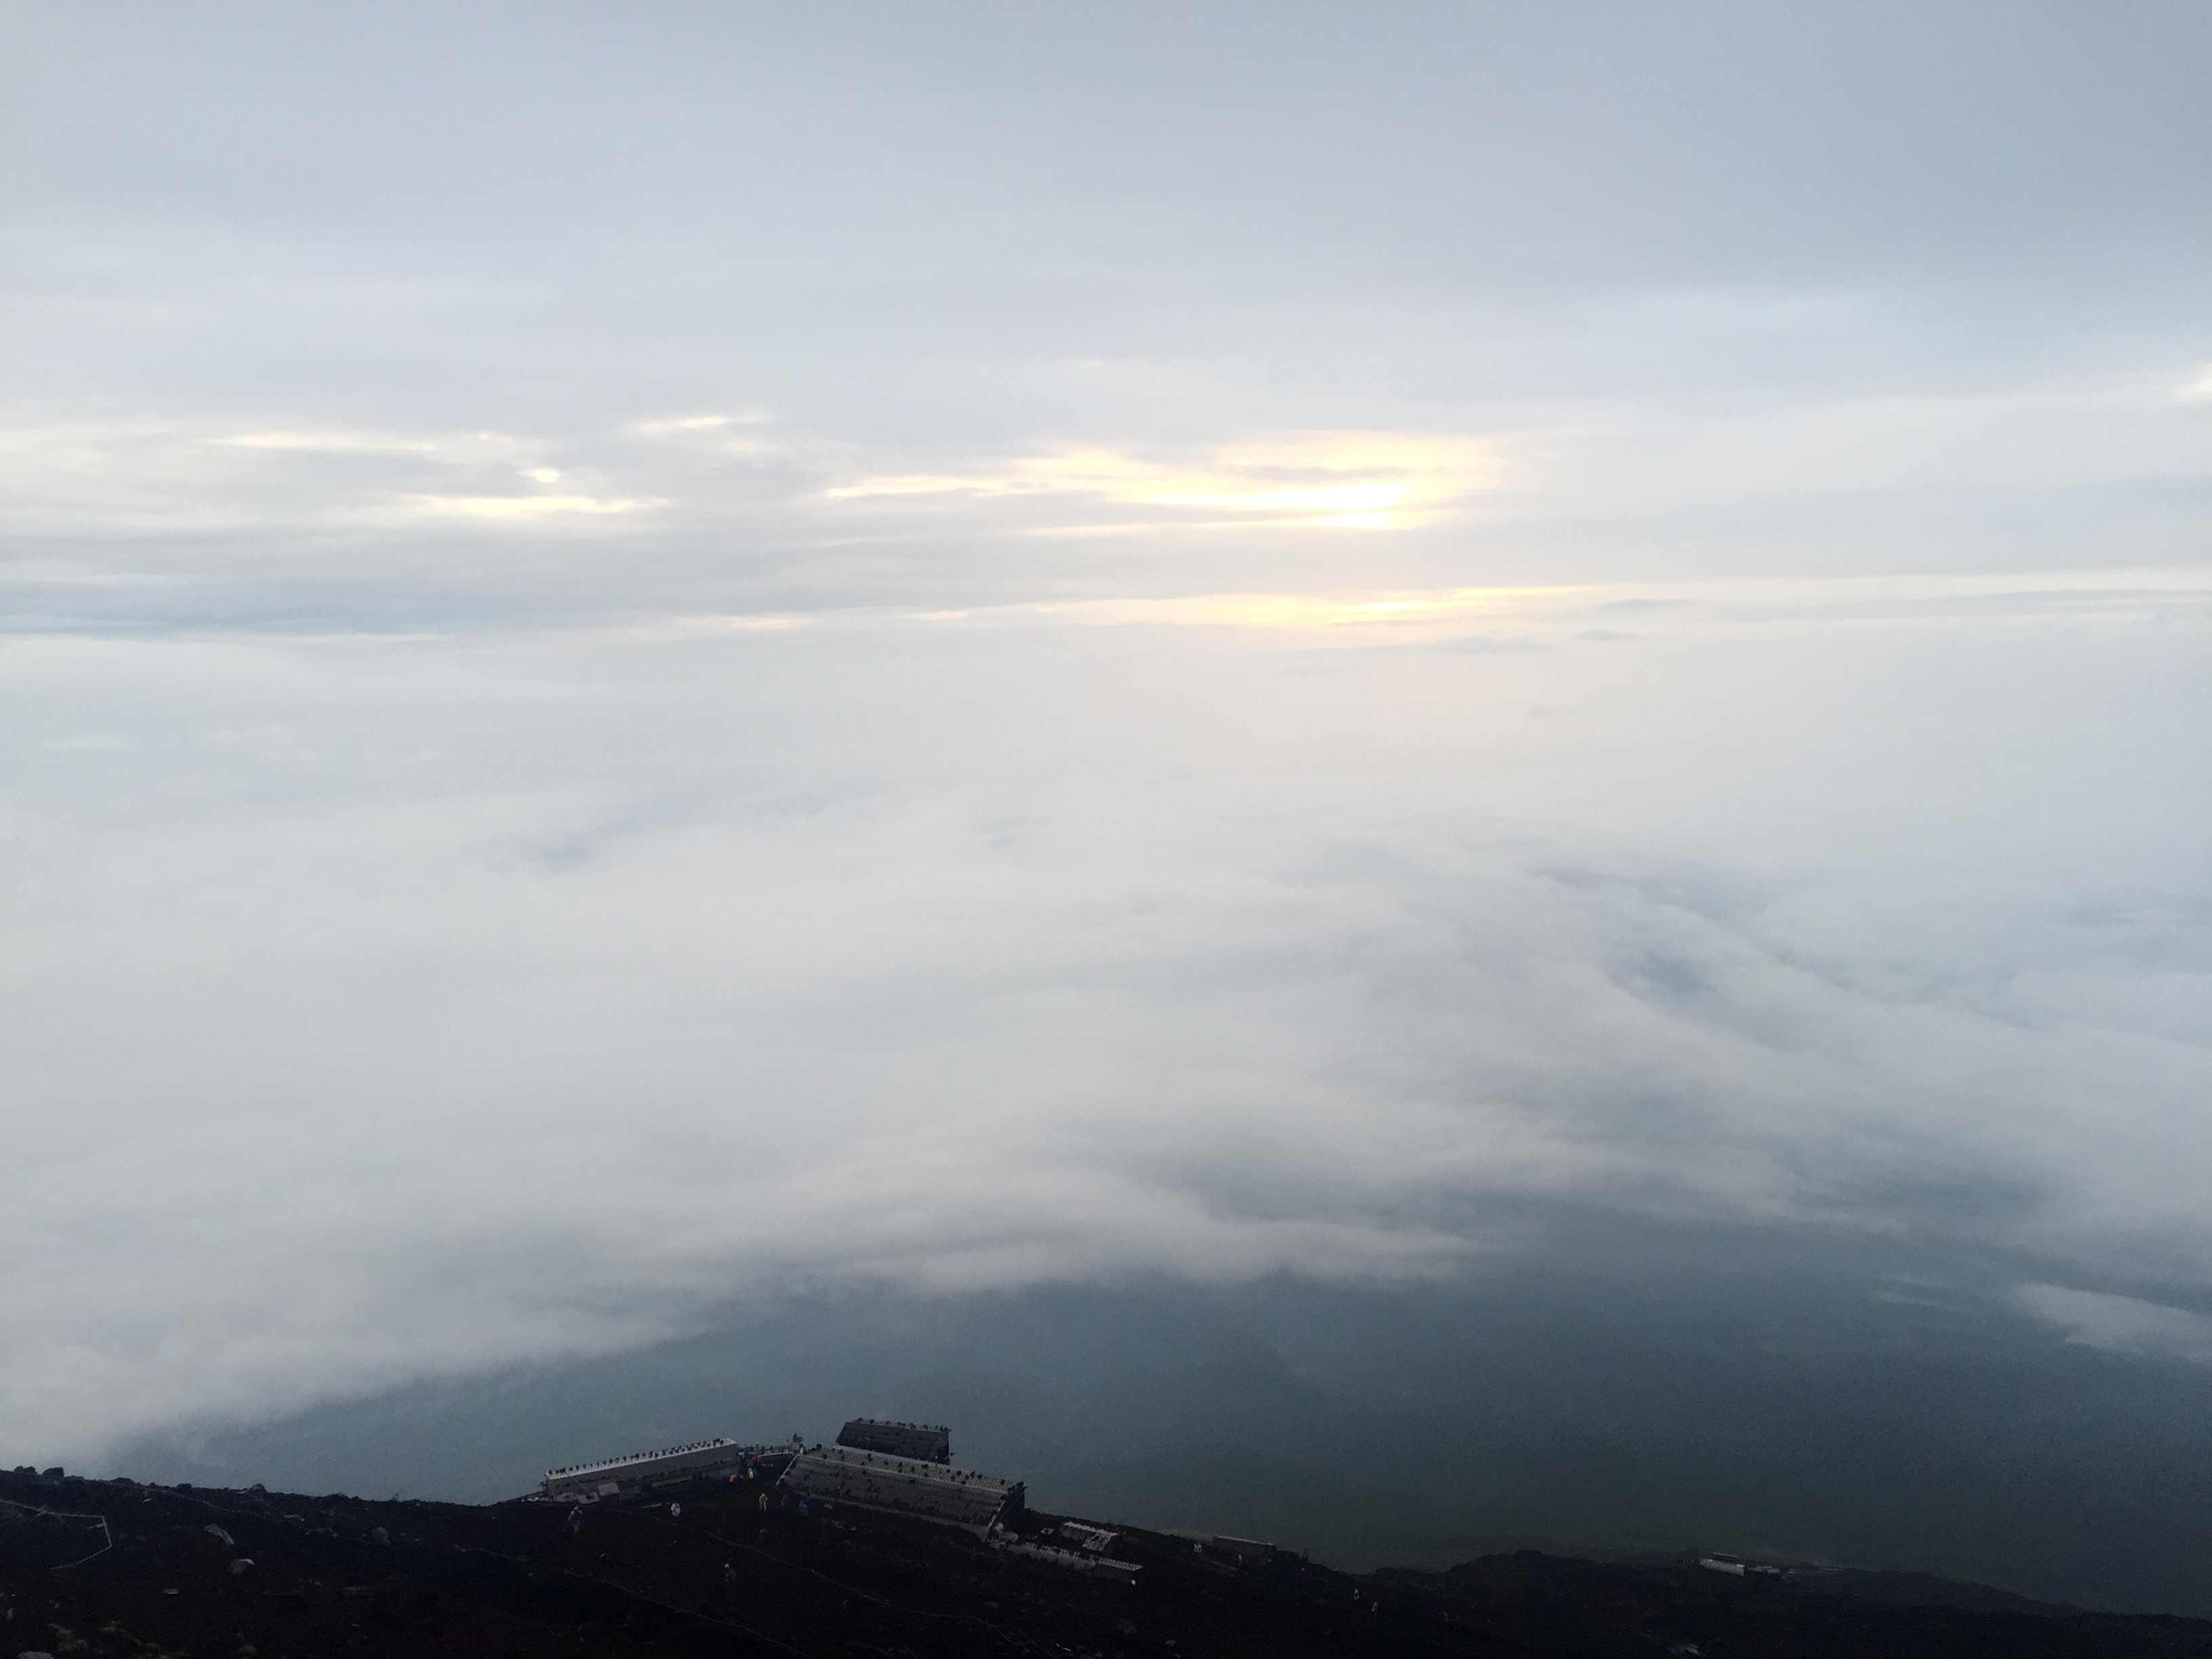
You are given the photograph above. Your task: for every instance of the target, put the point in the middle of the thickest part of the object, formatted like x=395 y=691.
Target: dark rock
x=632 y=1584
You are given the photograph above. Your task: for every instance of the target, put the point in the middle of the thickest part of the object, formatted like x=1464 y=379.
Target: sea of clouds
x=394 y=1006
x=648 y=662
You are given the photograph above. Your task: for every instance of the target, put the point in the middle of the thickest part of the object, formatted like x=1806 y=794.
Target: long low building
x=1084 y=1561
x=622 y=1477
x=930 y=1442
x=904 y=1485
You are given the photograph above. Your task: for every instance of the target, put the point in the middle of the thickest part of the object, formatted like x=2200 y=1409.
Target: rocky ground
x=113 y=1569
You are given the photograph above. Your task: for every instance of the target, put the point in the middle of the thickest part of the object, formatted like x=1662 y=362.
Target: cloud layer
x=394 y=1007
x=654 y=662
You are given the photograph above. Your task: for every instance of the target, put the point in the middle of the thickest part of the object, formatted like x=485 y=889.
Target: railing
x=640 y=1457
x=67 y=1515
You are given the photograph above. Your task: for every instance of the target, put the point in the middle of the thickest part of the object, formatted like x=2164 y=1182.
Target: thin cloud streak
x=2122 y=1324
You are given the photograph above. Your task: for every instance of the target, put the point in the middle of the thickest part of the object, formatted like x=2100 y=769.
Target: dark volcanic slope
x=341 y=1576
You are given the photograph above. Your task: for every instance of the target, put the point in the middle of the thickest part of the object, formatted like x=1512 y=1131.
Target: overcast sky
x=662 y=655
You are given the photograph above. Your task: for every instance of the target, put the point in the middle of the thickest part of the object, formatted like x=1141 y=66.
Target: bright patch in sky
x=1339 y=479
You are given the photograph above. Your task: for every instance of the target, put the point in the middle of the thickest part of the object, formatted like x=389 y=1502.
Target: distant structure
x=930 y=1442
x=1089 y=1559
x=1246 y=1550
x=904 y=1485
x=625 y=1477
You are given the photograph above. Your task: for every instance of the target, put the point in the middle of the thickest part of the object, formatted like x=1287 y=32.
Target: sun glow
x=1399 y=613
x=1334 y=480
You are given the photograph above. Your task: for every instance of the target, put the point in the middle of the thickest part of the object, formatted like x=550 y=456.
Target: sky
x=663 y=662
